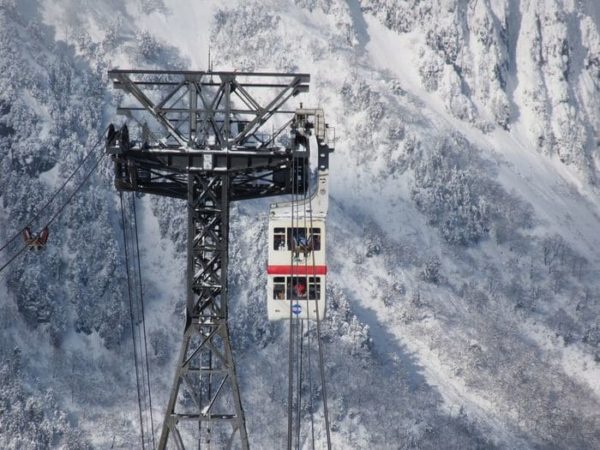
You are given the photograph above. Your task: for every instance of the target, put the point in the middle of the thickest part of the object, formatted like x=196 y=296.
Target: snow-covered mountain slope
x=464 y=294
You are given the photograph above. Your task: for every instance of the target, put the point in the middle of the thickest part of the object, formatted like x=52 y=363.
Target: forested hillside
x=463 y=292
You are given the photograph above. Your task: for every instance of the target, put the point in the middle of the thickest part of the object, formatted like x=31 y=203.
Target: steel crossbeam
x=205 y=107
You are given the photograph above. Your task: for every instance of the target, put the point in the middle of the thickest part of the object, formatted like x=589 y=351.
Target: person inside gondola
x=300 y=289
x=315 y=242
x=300 y=244
x=279 y=243
x=298 y=236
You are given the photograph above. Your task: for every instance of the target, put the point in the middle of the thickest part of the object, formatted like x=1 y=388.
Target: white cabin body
x=297 y=264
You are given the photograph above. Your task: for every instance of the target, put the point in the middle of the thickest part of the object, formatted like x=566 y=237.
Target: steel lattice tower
x=208 y=144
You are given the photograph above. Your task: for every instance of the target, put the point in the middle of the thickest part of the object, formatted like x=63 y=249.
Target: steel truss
x=205 y=381
x=208 y=145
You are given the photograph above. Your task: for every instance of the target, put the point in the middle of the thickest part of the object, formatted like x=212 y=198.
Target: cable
x=310 y=396
x=321 y=358
x=137 y=313
x=312 y=419
x=60 y=210
x=299 y=330
x=291 y=335
x=306 y=190
x=43 y=208
x=310 y=389
x=299 y=394
x=131 y=319
x=311 y=405
x=299 y=357
x=137 y=246
x=14 y=257
x=88 y=175
x=129 y=281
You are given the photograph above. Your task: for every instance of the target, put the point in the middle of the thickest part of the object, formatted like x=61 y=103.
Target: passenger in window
x=300 y=289
x=316 y=242
x=302 y=240
x=302 y=245
x=279 y=243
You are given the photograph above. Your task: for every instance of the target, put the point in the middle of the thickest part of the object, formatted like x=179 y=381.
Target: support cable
x=299 y=394
x=132 y=320
x=309 y=369
x=308 y=285
x=14 y=257
x=137 y=246
x=136 y=288
x=87 y=176
x=310 y=389
x=312 y=419
x=58 y=191
x=321 y=359
x=291 y=334
x=60 y=210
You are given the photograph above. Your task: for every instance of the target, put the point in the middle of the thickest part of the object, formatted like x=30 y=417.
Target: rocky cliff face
x=530 y=65
x=463 y=296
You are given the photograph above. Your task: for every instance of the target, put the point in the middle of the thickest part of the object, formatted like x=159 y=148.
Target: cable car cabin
x=297 y=270
x=297 y=266
x=35 y=241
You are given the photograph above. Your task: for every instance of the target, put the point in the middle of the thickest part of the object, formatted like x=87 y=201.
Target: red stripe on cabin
x=297 y=270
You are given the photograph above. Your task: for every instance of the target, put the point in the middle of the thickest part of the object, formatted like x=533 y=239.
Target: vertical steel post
x=193 y=116
x=205 y=390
